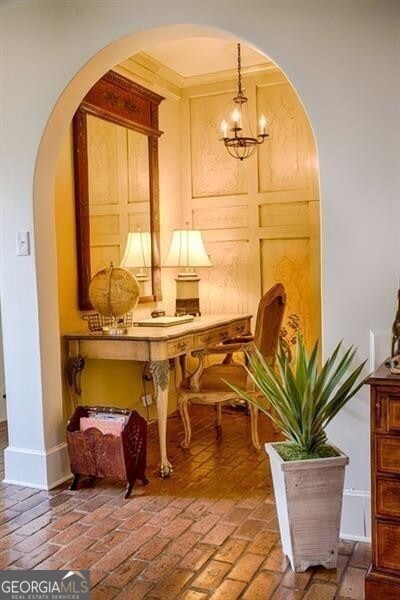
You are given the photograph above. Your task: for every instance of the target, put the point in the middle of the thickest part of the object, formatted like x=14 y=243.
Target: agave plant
x=304 y=398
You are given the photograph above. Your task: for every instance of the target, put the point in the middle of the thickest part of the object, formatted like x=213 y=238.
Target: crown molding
x=169 y=81
x=161 y=80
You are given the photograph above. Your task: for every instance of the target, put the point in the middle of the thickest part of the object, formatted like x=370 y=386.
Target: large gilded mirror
x=116 y=183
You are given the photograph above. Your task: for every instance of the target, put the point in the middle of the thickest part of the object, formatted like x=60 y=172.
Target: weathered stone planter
x=308 y=495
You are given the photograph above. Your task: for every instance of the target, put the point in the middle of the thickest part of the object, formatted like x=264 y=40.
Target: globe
x=114 y=292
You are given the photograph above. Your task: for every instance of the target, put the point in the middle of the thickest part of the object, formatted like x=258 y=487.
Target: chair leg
x=254 y=425
x=184 y=412
x=275 y=428
x=218 y=419
x=218 y=410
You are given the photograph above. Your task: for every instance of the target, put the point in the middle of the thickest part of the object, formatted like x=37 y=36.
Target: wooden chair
x=206 y=384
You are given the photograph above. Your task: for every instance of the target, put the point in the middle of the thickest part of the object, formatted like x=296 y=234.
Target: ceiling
x=191 y=57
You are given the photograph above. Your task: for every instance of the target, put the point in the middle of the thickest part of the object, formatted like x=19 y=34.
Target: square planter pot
x=308 y=495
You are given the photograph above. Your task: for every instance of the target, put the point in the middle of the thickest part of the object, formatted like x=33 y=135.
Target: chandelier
x=239 y=145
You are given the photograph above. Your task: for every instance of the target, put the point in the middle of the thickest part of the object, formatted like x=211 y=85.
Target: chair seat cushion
x=211 y=378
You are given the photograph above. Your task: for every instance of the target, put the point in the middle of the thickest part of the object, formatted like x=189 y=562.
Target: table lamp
x=137 y=256
x=187 y=250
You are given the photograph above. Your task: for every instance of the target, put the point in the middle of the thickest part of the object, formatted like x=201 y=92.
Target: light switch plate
x=23 y=245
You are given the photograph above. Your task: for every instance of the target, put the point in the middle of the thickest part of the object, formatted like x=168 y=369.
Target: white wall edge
x=40 y=469
x=3 y=404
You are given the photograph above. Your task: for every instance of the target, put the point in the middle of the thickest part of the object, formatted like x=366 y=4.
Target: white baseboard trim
x=356 y=516
x=355 y=538
x=37 y=486
x=41 y=469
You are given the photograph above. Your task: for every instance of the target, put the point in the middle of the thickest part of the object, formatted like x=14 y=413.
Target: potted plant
x=307 y=471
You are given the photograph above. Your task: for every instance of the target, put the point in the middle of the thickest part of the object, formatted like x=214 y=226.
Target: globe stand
x=114 y=330
x=117 y=328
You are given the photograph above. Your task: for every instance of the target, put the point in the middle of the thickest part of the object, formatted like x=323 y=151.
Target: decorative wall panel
x=283 y=213
x=138 y=167
x=285 y=157
x=118 y=189
x=273 y=228
x=104 y=225
x=101 y=256
x=139 y=220
x=288 y=261
x=107 y=174
x=214 y=172
x=224 y=287
x=227 y=217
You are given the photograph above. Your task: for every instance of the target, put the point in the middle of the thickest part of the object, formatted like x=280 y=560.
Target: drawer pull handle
x=224 y=335
x=239 y=328
x=181 y=345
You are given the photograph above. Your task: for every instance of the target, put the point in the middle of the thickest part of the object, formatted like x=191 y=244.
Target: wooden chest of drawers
x=383 y=577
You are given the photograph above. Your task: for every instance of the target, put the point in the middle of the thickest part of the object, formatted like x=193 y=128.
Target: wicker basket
x=96 y=321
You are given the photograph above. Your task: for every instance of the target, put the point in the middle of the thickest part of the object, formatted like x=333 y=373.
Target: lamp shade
x=187 y=250
x=137 y=250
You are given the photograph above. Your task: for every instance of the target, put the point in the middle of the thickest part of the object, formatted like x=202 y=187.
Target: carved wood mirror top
x=116 y=178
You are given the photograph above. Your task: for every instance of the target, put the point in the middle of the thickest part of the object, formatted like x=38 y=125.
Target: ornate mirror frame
x=119 y=100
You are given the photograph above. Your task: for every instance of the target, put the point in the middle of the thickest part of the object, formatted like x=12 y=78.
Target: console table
x=155 y=345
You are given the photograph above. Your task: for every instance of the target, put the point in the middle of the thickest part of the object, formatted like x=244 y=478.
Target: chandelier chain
x=240 y=91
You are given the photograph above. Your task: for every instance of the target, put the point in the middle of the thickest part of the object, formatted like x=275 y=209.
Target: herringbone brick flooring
x=208 y=532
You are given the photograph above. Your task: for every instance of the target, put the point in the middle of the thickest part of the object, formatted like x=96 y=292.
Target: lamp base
x=187 y=306
x=187 y=294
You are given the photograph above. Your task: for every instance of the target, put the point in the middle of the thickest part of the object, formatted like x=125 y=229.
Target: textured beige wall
x=260 y=217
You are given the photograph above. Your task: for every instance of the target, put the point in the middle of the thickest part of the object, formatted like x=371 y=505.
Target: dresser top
x=383 y=376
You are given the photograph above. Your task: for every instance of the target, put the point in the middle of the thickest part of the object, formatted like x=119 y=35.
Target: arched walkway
x=357 y=167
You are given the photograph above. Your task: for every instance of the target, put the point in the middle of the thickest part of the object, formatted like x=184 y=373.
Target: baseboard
x=43 y=470
x=355 y=538
x=28 y=484
x=356 y=516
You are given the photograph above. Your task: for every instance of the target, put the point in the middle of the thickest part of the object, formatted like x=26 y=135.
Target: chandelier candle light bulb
x=224 y=128
x=236 y=119
x=263 y=125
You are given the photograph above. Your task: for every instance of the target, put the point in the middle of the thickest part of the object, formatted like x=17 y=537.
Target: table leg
x=182 y=364
x=75 y=366
x=160 y=373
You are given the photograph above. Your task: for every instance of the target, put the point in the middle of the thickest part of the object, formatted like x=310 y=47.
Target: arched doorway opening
x=45 y=237
x=259 y=218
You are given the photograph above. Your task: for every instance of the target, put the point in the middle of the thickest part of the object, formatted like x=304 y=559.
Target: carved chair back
x=269 y=321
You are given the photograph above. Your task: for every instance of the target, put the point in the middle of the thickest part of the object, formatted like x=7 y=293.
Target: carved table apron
x=155 y=345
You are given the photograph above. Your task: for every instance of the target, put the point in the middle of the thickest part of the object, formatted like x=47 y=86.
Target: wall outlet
x=147 y=399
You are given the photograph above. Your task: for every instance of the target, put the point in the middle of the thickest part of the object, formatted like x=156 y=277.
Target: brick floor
x=208 y=532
